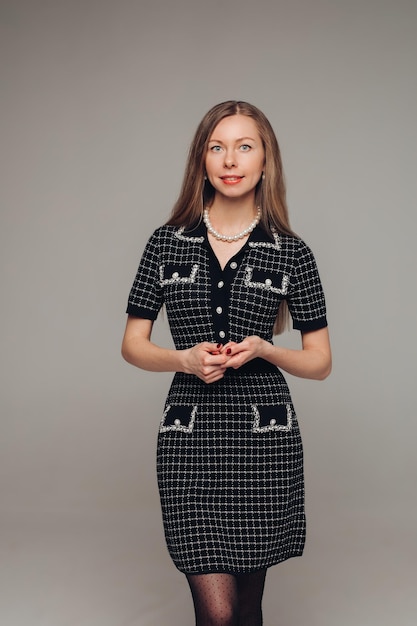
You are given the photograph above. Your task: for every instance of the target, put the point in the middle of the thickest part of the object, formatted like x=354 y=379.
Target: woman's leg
x=228 y=600
x=215 y=599
x=250 y=588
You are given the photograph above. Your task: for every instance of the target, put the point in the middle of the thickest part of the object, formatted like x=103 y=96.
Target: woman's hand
x=240 y=353
x=205 y=360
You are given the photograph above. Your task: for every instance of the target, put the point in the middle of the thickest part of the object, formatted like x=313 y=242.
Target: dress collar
x=258 y=237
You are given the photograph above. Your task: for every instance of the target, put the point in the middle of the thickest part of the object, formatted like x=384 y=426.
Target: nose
x=229 y=159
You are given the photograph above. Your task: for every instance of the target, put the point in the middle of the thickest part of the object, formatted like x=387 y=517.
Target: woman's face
x=235 y=157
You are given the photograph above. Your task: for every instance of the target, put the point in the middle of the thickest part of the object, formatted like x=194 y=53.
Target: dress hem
x=235 y=572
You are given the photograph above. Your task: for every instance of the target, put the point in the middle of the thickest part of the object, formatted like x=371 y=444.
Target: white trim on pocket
x=267 y=284
x=178 y=276
x=178 y=418
x=260 y=425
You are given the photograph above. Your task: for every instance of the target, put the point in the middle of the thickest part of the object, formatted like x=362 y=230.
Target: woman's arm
x=203 y=360
x=314 y=360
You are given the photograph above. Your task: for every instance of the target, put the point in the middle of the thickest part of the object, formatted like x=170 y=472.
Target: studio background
x=99 y=102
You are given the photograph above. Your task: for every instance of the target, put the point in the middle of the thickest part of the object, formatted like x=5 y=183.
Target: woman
x=229 y=269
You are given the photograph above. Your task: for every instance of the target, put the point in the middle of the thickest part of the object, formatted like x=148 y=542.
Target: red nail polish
x=219 y=345
x=228 y=351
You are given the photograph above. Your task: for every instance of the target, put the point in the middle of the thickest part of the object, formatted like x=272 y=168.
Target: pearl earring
x=263 y=176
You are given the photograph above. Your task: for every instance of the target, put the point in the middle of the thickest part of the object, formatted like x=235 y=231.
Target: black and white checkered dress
x=229 y=457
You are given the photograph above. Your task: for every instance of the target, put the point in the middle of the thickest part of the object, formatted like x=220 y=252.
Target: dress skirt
x=230 y=473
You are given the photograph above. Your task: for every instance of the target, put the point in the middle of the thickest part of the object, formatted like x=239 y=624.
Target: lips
x=231 y=180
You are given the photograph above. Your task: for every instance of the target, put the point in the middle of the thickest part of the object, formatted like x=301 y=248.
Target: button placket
x=219 y=302
x=220 y=306
x=221 y=280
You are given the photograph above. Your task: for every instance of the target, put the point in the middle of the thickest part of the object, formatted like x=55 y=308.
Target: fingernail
x=219 y=345
x=228 y=351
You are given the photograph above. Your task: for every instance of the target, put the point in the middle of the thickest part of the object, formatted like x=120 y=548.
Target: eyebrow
x=237 y=140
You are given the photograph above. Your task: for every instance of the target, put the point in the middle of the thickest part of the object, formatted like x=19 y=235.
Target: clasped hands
x=209 y=361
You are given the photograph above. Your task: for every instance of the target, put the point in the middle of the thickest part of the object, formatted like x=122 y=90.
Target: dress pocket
x=177 y=274
x=178 y=418
x=268 y=418
x=276 y=282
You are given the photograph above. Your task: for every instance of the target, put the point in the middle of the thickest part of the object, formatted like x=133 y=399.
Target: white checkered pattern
x=230 y=478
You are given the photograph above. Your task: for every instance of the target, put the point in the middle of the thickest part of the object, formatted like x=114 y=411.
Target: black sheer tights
x=227 y=600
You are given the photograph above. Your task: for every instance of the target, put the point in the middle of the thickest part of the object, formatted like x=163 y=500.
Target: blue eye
x=245 y=147
x=215 y=149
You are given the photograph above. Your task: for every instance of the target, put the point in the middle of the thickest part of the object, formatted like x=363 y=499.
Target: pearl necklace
x=230 y=238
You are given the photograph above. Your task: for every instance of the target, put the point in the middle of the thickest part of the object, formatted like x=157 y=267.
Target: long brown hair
x=270 y=192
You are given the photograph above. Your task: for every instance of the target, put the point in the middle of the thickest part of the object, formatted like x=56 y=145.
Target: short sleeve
x=305 y=299
x=145 y=298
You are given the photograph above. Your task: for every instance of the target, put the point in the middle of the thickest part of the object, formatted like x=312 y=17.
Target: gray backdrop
x=99 y=101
